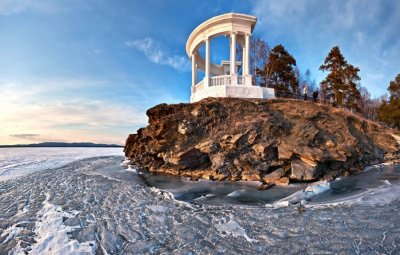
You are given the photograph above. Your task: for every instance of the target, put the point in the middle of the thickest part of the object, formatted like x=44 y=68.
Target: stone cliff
x=275 y=141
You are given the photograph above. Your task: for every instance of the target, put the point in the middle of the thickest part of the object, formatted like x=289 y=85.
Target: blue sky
x=74 y=70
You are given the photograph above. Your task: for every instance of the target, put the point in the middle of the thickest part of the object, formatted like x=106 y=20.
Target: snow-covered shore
x=15 y=162
x=93 y=207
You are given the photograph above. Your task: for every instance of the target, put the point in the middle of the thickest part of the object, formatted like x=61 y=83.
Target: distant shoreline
x=62 y=145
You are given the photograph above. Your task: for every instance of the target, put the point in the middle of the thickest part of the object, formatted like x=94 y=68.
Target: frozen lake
x=16 y=162
x=97 y=206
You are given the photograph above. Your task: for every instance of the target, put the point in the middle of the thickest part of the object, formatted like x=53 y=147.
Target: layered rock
x=273 y=141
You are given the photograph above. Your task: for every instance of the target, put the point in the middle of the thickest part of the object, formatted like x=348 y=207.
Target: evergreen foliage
x=389 y=111
x=279 y=72
x=340 y=85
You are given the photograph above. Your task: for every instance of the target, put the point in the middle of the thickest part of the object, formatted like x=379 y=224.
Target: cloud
x=29 y=109
x=9 y=7
x=153 y=51
x=20 y=92
x=85 y=113
x=74 y=121
x=25 y=136
x=319 y=19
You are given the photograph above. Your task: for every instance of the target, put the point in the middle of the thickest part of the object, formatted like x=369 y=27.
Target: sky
x=77 y=71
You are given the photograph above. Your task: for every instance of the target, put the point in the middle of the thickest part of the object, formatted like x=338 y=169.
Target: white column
x=233 y=54
x=247 y=60
x=243 y=58
x=194 y=69
x=207 y=71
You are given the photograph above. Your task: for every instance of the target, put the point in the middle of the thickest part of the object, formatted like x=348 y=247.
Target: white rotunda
x=224 y=80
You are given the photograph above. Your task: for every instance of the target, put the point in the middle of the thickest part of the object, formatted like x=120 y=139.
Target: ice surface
x=309 y=192
x=233 y=228
x=96 y=206
x=11 y=232
x=52 y=235
x=127 y=165
x=219 y=192
x=236 y=193
x=372 y=197
x=15 y=162
x=378 y=185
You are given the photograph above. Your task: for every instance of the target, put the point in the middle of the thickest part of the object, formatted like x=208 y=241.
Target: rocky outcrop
x=275 y=141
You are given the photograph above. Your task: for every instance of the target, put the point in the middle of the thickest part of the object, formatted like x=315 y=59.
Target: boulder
x=274 y=176
x=230 y=142
x=284 y=181
x=301 y=171
x=285 y=151
x=265 y=151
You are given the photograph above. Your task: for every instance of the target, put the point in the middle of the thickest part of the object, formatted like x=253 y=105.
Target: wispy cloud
x=74 y=121
x=153 y=51
x=26 y=136
x=26 y=113
x=9 y=7
x=30 y=91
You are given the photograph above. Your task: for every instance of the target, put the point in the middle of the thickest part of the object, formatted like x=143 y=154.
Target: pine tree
x=279 y=72
x=340 y=85
x=394 y=89
x=389 y=111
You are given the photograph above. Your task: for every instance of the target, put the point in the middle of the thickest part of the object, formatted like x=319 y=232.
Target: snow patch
x=236 y=193
x=233 y=228
x=52 y=235
x=304 y=195
x=202 y=198
x=127 y=165
x=11 y=232
x=169 y=196
x=280 y=204
x=131 y=169
x=158 y=208
x=126 y=162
